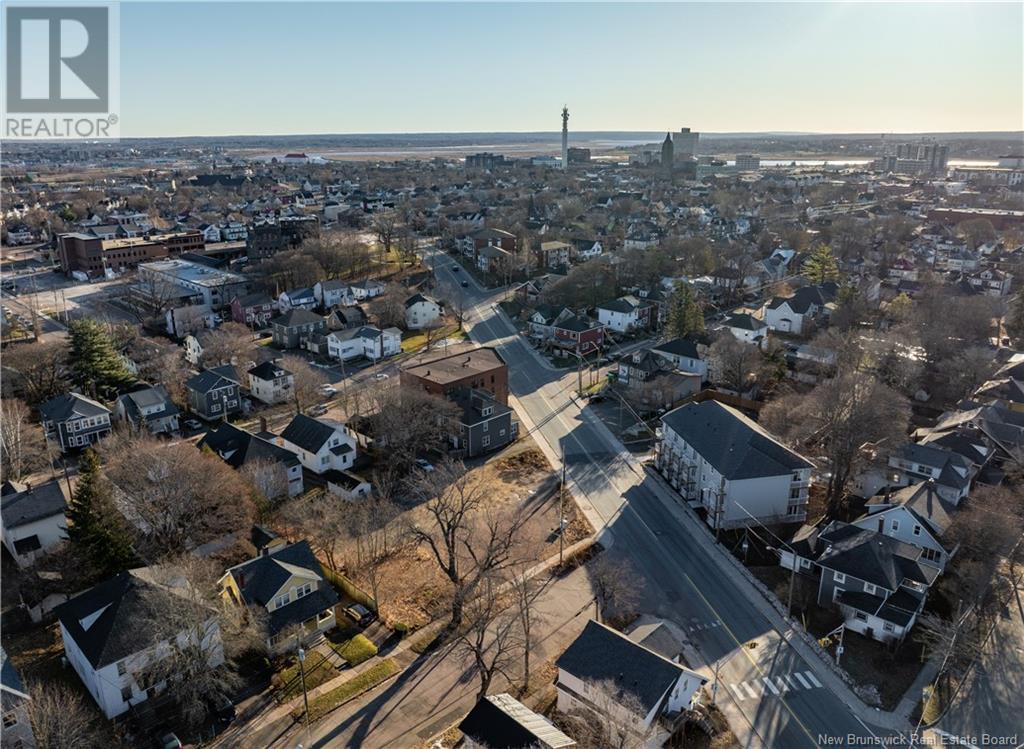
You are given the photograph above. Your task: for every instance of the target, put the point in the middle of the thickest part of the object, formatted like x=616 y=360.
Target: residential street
x=990 y=702
x=646 y=526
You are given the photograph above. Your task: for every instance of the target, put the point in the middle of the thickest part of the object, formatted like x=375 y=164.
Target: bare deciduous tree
x=22 y=445
x=231 y=343
x=175 y=497
x=841 y=417
x=60 y=718
x=41 y=369
x=268 y=477
x=616 y=720
x=616 y=586
x=734 y=363
x=324 y=520
x=307 y=385
x=469 y=541
x=492 y=634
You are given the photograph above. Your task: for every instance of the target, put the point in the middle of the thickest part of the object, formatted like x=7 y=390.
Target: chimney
x=263 y=423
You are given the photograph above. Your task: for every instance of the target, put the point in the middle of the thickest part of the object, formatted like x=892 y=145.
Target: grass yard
x=335 y=698
x=356 y=650
x=417 y=341
x=287 y=682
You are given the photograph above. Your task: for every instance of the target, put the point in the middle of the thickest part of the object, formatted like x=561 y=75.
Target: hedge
x=357 y=650
x=335 y=698
x=287 y=682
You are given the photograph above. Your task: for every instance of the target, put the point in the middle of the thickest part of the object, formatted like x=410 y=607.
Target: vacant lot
x=413 y=590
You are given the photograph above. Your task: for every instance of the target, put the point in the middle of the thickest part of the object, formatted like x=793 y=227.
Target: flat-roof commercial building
x=215 y=287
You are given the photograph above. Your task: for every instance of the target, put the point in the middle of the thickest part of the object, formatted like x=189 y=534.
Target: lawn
x=356 y=650
x=417 y=341
x=287 y=682
x=335 y=698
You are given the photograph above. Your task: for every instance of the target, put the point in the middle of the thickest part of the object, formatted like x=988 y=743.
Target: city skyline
x=457 y=68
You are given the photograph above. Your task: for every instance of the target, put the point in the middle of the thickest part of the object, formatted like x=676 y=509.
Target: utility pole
x=561 y=510
x=302 y=675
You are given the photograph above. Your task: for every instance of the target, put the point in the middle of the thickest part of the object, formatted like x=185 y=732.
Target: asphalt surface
x=768 y=686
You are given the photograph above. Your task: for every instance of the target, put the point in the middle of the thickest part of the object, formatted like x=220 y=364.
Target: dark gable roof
x=71 y=406
x=236 y=447
x=308 y=433
x=33 y=504
x=125 y=624
x=417 y=298
x=744 y=322
x=295 y=317
x=213 y=379
x=602 y=654
x=577 y=324
x=151 y=396
x=489 y=725
x=874 y=558
x=678 y=347
x=268 y=370
x=736 y=446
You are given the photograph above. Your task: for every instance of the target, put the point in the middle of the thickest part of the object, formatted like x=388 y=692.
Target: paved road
x=769 y=687
x=990 y=703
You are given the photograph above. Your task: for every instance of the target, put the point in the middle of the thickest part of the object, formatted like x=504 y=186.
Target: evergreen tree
x=684 y=316
x=95 y=528
x=95 y=366
x=821 y=266
x=1015 y=319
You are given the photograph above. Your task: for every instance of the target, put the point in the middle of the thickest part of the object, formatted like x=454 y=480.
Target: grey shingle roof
x=126 y=623
x=33 y=504
x=71 y=406
x=236 y=447
x=736 y=446
x=268 y=370
x=295 y=317
x=308 y=433
x=875 y=558
x=678 y=347
x=601 y=654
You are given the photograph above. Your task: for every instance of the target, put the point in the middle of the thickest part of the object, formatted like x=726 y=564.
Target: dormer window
x=487 y=410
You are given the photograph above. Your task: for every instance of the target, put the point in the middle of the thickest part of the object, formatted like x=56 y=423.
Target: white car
x=424 y=465
x=381 y=376
x=329 y=390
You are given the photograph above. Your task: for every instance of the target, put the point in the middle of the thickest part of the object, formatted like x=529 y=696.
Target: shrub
x=401 y=629
x=330 y=700
x=357 y=650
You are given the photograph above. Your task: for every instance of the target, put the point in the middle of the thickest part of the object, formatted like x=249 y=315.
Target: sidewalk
x=791 y=633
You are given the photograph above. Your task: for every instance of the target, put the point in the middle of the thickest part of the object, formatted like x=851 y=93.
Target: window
x=895 y=525
x=487 y=410
x=805 y=564
x=324 y=459
x=214 y=408
x=303 y=590
x=282 y=600
x=126 y=693
x=486 y=440
x=121 y=668
x=839 y=577
x=485 y=426
x=888 y=627
x=917 y=530
x=795 y=493
x=10 y=719
x=870 y=589
x=860 y=616
x=931 y=555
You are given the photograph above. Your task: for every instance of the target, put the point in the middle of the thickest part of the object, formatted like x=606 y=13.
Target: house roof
x=954 y=469
x=678 y=347
x=874 y=558
x=213 y=379
x=10 y=679
x=499 y=721
x=236 y=447
x=261 y=578
x=116 y=618
x=577 y=324
x=33 y=503
x=924 y=502
x=295 y=317
x=417 y=298
x=308 y=433
x=458 y=366
x=737 y=447
x=268 y=370
x=71 y=406
x=744 y=321
x=146 y=398
x=602 y=654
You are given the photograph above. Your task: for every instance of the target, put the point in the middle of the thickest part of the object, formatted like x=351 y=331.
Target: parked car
x=168 y=741
x=318 y=410
x=381 y=376
x=329 y=390
x=465 y=284
x=455 y=269
x=424 y=465
x=193 y=424
x=358 y=613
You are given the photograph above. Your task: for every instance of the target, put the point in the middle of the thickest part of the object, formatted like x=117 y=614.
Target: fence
x=350 y=589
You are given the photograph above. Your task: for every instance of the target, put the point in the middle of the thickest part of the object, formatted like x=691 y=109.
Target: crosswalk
x=696 y=625
x=773 y=686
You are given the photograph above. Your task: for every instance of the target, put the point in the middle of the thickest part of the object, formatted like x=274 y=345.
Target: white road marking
x=783 y=686
x=814 y=681
x=767 y=681
x=802 y=680
x=755 y=695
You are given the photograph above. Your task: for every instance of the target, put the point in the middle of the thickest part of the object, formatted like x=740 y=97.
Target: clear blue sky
x=283 y=67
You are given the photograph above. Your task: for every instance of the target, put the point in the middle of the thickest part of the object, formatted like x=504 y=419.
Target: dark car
x=456 y=269
x=465 y=284
x=359 y=614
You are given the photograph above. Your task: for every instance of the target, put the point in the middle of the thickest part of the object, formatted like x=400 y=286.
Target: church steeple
x=667 y=153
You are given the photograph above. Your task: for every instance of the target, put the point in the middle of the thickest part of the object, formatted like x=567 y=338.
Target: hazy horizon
x=275 y=69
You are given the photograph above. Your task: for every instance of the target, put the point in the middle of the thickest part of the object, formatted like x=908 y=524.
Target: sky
x=199 y=68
